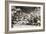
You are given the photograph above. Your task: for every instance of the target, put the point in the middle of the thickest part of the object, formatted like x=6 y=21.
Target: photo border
x=7 y=16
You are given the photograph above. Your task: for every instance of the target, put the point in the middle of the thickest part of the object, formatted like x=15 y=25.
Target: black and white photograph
x=25 y=17
x=22 y=15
